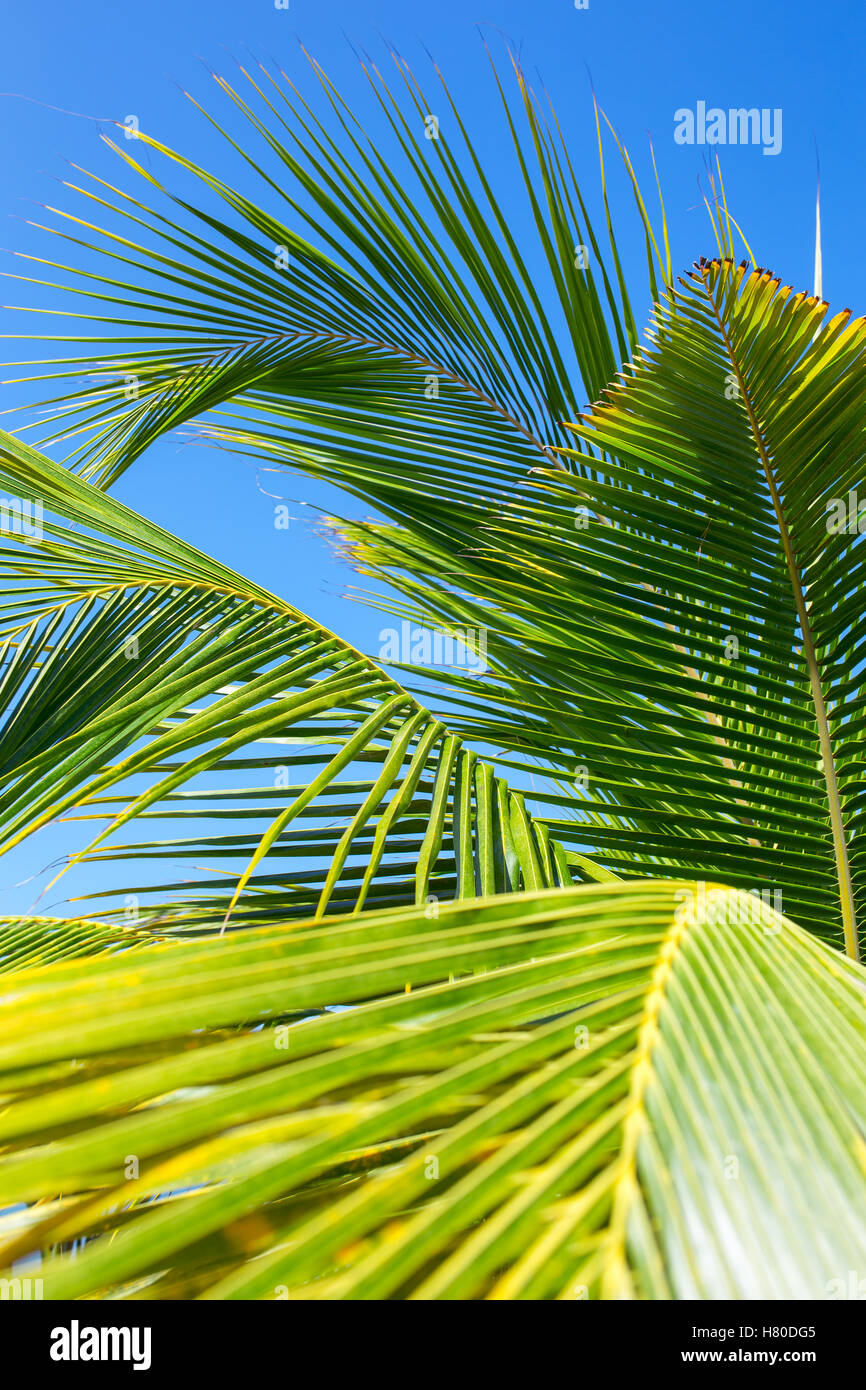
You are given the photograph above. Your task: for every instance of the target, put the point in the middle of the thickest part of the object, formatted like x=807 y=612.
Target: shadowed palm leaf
x=130 y=655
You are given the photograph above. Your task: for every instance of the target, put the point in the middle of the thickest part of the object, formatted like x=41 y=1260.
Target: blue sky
x=103 y=60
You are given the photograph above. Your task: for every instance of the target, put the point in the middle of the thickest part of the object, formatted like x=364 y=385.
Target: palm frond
x=608 y=1091
x=678 y=631
x=37 y=941
x=142 y=682
x=377 y=303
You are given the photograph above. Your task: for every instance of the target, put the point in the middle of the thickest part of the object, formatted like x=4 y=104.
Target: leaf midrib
x=840 y=845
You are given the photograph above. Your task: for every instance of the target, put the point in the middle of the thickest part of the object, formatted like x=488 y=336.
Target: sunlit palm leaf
x=603 y=1092
x=692 y=612
x=32 y=941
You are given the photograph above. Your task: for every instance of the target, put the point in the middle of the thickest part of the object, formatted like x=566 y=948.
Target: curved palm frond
x=693 y=610
x=409 y=328
x=612 y=593
x=378 y=305
x=143 y=682
x=26 y=942
x=400 y=1080
x=606 y=1091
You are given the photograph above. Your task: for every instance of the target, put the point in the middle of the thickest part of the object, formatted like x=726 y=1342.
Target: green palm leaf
x=38 y=941
x=377 y=304
x=694 y=609
x=608 y=1091
x=139 y=680
x=613 y=591
x=430 y=1066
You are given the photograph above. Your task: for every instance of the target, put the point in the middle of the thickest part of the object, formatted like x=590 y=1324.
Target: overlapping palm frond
x=430 y=1065
x=609 y=1091
x=613 y=593
x=145 y=684
x=378 y=306
x=692 y=606
x=37 y=941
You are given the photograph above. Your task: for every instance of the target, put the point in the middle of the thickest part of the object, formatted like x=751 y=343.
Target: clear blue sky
x=647 y=60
